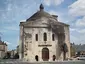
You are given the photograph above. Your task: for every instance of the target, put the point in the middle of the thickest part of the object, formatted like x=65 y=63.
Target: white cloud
x=78 y=40
x=52 y=12
x=72 y=29
x=57 y=2
x=82 y=31
x=9 y=28
x=77 y=8
x=81 y=22
x=9 y=7
x=74 y=39
x=60 y=18
x=53 y=2
x=12 y=28
x=2 y=30
x=47 y=2
x=8 y=43
x=77 y=35
x=16 y=10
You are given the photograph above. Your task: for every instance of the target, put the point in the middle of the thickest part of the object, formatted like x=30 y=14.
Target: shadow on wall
x=8 y=56
x=58 y=30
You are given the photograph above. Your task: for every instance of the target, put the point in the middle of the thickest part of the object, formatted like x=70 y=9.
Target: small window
x=45 y=37
x=36 y=57
x=53 y=37
x=25 y=54
x=36 y=37
x=54 y=57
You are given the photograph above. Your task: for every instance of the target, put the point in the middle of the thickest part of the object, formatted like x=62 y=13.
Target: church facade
x=44 y=38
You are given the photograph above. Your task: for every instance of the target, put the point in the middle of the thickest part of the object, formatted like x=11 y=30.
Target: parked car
x=81 y=57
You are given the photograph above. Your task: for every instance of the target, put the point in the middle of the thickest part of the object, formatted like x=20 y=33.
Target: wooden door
x=45 y=54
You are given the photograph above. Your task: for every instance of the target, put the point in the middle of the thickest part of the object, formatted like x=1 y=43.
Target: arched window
x=45 y=37
x=26 y=54
x=54 y=57
x=36 y=57
x=53 y=37
x=36 y=37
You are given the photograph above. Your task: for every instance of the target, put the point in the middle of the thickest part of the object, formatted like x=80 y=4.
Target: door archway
x=45 y=54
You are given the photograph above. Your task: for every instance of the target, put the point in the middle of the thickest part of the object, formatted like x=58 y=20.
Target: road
x=13 y=61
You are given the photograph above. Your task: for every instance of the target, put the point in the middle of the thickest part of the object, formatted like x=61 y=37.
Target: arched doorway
x=45 y=54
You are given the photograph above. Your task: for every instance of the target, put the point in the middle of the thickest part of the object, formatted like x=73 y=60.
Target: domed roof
x=39 y=14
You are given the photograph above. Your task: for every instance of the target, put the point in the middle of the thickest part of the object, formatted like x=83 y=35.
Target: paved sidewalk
x=14 y=61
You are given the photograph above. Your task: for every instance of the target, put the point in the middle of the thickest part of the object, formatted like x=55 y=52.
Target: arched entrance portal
x=45 y=54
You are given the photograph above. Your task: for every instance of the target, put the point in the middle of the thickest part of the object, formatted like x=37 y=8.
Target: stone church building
x=44 y=38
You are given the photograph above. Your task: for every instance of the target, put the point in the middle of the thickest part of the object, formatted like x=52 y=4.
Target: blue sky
x=71 y=12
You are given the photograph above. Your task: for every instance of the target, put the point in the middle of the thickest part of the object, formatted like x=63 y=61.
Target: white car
x=81 y=57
